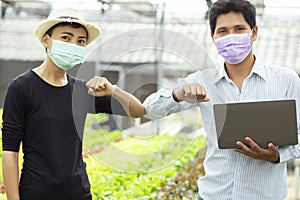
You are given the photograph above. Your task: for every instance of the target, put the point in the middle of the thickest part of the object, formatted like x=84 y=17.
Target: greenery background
x=171 y=181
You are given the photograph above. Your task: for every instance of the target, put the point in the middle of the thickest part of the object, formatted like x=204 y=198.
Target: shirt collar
x=258 y=69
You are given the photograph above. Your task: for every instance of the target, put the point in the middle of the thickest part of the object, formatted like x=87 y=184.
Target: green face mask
x=66 y=55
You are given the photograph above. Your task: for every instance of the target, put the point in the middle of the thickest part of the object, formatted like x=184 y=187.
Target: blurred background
x=145 y=44
x=278 y=41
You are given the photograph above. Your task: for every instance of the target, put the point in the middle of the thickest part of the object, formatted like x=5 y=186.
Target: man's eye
x=65 y=37
x=82 y=41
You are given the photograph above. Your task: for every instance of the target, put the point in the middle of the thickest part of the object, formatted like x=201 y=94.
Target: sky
x=273 y=7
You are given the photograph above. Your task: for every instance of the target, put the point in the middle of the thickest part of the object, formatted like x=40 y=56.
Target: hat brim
x=43 y=27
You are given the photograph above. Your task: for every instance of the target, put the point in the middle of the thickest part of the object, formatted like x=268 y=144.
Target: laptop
x=264 y=122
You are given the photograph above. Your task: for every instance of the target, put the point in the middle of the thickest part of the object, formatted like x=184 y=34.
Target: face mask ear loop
x=251 y=33
x=47 y=49
x=251 y=37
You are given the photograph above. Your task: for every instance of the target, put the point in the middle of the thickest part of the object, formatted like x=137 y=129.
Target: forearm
x=132 y=106
x=10 y=170
x=161 y=104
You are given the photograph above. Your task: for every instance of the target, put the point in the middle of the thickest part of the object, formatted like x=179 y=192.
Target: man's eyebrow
x=221 y=28
x=71 y=34
x=240 y=25
x=236 y=26
x=68 y=33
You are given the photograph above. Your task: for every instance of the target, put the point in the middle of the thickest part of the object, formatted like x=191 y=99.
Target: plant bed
x=184 y=184
x=140 y=179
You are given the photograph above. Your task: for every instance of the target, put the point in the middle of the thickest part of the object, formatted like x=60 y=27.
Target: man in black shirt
x=45 y=109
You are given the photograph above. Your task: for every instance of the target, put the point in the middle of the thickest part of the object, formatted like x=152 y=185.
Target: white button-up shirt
x=231 y=175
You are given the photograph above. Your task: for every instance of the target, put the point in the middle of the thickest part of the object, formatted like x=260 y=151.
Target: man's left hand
x=270 y=154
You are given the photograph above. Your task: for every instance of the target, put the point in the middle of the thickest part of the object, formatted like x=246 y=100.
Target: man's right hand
x=192 y=93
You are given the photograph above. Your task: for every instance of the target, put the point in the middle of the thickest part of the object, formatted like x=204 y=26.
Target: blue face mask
x=66 y=55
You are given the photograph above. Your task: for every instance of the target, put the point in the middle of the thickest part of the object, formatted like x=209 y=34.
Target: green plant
x=121 y=178
x=94 y=118
x=3 y=197
x=95 y=138
x=184 y=184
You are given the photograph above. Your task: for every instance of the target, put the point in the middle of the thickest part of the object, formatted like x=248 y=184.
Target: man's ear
x=212 y=37
x=46 y=41
x=254 y=33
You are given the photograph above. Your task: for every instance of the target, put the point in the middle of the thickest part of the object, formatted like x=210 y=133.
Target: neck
x=51 y=73
x=238 y=72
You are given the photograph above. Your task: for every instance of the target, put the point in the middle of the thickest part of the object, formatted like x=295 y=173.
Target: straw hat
x=66 y=15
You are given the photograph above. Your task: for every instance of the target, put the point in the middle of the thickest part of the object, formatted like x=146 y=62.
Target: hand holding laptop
x=253 y=150
x=254 y=128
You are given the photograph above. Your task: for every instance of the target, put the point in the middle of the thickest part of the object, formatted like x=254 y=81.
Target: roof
x=128 y=37
x=130 y=42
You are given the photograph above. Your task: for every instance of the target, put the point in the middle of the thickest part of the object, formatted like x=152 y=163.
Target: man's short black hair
x=73 y=25
x=225 y=6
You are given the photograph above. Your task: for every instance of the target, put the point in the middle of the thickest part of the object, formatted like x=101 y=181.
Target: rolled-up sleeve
x=13 y=118
x=162 y=103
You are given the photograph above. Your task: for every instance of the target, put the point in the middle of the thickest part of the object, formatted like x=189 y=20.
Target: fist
x=191 y=92
x=99 y=86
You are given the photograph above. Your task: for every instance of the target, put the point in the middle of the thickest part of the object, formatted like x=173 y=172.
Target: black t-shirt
x=49 y=121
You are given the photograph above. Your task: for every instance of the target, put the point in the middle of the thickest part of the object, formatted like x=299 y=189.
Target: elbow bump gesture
x=100 y=86
x=191 y=92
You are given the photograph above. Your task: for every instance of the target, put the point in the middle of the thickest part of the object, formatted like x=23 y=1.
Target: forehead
x=231 y=19
x=80 y=31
